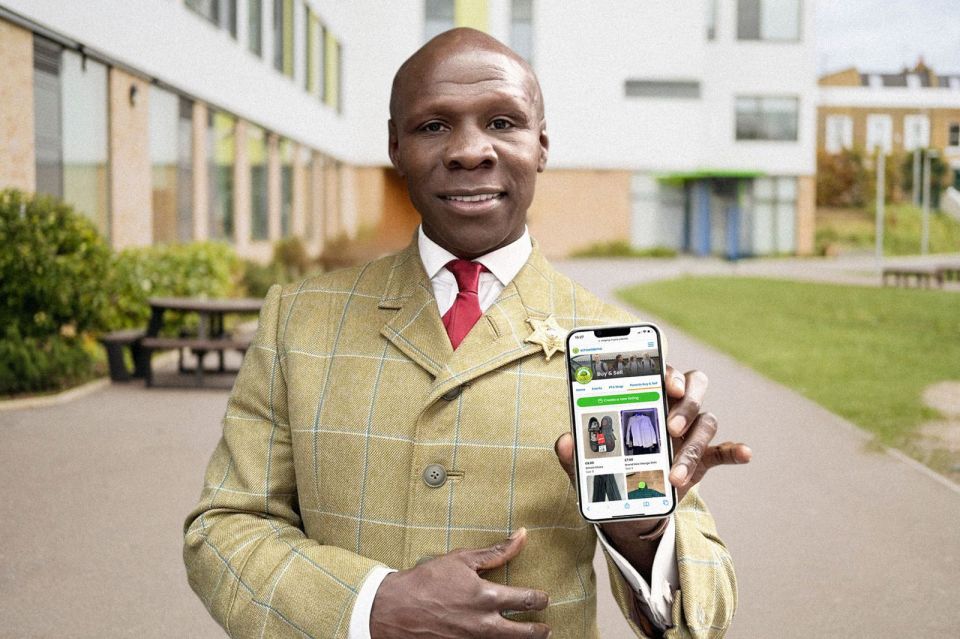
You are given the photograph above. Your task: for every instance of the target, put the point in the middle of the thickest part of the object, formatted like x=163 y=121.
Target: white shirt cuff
x=664 y=576
x=363 y=606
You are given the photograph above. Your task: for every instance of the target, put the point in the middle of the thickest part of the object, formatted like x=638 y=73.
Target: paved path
x=830 y=538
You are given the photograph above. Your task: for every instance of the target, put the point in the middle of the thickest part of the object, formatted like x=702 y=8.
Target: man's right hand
x=445 y=598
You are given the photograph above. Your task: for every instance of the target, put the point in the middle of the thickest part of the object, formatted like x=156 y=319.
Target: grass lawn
x=864 y=353
x=853 y=229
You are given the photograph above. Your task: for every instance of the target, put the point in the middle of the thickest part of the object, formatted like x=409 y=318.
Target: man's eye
x=501 y=123
x=432 y=127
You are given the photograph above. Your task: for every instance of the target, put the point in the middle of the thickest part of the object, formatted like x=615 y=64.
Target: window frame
x=760 y=99
x=760 y=36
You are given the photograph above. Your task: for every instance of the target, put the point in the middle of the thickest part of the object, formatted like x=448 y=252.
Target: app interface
x=618 y=411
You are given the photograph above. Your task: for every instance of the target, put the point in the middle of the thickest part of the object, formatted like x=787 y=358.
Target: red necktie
x=466 y=308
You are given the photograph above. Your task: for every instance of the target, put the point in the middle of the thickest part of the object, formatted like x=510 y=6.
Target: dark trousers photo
x=605 y=488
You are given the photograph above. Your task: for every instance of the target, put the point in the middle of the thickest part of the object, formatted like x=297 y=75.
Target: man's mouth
x=480 y=197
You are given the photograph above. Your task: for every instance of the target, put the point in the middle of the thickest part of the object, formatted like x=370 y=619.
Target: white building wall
x=583 y=53
x=165 y=40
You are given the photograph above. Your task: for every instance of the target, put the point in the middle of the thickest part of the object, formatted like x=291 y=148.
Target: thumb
x=564 y=449
x=498 y=554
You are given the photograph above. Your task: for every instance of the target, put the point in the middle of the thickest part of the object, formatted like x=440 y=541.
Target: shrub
x=198 y=269
x=622 y=248
x=258 y=278
x=52 y=271
x=939 y=175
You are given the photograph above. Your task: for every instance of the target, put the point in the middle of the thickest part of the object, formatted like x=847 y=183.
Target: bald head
x=451 y=44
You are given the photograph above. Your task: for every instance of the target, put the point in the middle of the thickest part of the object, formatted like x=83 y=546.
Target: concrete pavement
x=831 y=538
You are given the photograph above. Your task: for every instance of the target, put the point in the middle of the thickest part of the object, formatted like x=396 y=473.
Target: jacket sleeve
x=707 y=599
x=245 y=550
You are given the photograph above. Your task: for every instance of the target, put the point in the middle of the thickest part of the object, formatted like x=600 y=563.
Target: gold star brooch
x=547 y=333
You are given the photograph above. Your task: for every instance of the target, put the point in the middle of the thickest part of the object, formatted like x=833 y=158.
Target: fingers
x=497 y=626
x=726 y=453
x=496 y=555
x=684 y=412
x=694 y=446
x=564 y=449
x=497 y=597
x=675 y=382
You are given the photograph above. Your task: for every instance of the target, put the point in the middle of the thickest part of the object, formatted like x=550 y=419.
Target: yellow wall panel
x=331 y=65
x=471 y=13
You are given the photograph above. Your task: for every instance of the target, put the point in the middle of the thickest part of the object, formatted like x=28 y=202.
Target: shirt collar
x=504 y=263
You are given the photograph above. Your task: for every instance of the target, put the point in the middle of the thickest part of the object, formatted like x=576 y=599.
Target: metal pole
x=881 y=192
x=916 y=176
x=925 y=220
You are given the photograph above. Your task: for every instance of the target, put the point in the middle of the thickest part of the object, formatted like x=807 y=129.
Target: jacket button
x=434 y=475
x=453 y=393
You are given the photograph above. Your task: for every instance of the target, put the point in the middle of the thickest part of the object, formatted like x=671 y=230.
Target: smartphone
x=618 y=413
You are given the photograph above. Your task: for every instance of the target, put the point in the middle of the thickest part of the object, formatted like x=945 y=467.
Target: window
x=953 y=138
x=255 y=26
x=916 y=132
x=309 y=193
x=331 y=72
x=220 y=13
x=661 y=89
x=879 y=132
x=339 y=78
x=257 y=158
x=70 y=130
x=171 y=160
x=774 y=215
x=209 y=9
x=220 y=160
x=767 y=118
x=711 y=19
x=839 y=133
x=521 y=28
x=322 y=62
x=768 y=20
x=283 y=36
x=438 y=17
x=310 y=48
x=286 y=185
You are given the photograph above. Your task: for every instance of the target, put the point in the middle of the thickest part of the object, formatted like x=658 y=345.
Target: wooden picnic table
x=210 y=337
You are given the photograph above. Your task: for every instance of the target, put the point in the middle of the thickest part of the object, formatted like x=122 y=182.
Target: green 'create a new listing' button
x=624 y=398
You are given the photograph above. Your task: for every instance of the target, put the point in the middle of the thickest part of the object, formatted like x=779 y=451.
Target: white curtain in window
x=839 y=134
x=916 y=132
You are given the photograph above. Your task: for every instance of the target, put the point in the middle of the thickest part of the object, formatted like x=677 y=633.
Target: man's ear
x=544 y=148
x=393 y=146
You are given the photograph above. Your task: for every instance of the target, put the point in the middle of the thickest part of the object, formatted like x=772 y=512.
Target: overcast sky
x=885 y=35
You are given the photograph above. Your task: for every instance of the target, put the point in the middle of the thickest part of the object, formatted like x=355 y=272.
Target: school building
x=685 y=125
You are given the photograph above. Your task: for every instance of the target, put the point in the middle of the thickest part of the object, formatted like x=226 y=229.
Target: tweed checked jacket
x=342 y=401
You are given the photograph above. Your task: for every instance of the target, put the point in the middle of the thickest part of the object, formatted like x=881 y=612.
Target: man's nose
x=469 y=148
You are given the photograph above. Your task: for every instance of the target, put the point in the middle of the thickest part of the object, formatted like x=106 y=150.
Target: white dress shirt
x=502 y=266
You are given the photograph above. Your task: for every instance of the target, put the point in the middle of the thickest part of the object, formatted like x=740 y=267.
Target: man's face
x=469 y=139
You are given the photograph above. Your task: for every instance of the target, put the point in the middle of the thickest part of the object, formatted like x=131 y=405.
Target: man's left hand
x=693 y=455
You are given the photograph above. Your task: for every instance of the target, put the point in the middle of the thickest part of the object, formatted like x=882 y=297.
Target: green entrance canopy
x=703 y=174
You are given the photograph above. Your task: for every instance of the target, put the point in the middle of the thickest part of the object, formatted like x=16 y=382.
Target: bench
x=115 y=342
x=199 y=346
x=919 y=277
x=949 y=272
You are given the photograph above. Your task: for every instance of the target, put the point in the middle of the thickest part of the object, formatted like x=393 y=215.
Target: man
x=394 y=416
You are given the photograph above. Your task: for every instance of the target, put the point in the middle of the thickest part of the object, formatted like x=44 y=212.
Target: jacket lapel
x=416 y=329
x=498 y=337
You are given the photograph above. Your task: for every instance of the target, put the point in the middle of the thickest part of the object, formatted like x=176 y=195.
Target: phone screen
x=618 y=410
